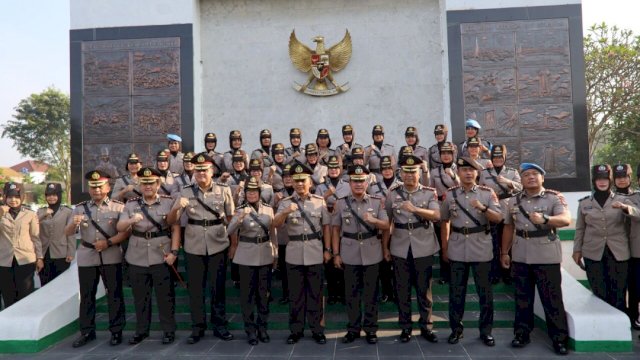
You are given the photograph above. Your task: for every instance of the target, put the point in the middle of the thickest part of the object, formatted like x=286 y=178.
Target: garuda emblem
x=320 y=64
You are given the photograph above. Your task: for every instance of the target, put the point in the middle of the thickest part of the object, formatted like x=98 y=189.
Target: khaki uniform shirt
x=489 y=177
x=266 y=195
x=319 y=173
x=20 y=238
x=257 y=252
x=52 y=234
x=281 y=231
x=207 y=240
x=634 y=231
x=267 y=160
x=142 y=251
x=442 y=182
x=106 y=216
x=344 y=151
x=218 y=159
x=379 y=188
x=423 y=241
x=537 y=250
x=368 y=249
x=176 y=163
x=122 y=183
x=288 y=155
x=373 y=156
x=597 y=226
x=169 y=185
x=273 y=177
x=305 y=252
x=469 y=247
x=341 y=190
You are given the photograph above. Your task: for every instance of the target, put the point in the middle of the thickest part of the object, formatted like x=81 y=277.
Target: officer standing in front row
x=99 y=256
x=534 y=217
x=153 y=248
x=307 y=222
x=466 y=213
x=209 y=207
x=355 y=223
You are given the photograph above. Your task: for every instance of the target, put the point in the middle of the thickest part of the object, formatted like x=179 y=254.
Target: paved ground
x=388 y=348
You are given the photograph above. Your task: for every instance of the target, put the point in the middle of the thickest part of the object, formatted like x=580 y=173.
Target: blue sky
x=35 y=49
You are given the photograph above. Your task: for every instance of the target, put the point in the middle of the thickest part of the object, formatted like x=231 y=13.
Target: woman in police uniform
x=20 y=247
x=58 y=249
x=153 y=248
x=126 y=186
x=254 y=248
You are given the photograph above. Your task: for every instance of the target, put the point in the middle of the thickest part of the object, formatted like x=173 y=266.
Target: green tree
x=612 y=72
x=40 y=129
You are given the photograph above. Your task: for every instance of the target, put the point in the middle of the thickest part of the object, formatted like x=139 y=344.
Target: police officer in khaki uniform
x=373 y=153
x=466 y=212
x=58 y=249
x=530 y=227
x=602 y=239
x=440 y=133
x=344 y=150
x=323 y=144
x=475 y=151
x=186 y=177
x=307 y=222
x=443 y=177
x=264 y=151
x=254 y=249
x=313 y=162
x=153 y=249
x=175 y=153
x=209 y=206
x=295 y=151
x=210 y=143
x=99 y=256
x=126 y=186
x=355 y=222
x=235 y=143
x=472 y=130
x=411 y=244
x=283 y=237
x=20 y=248
x=634 y=234
x=412 y=139
x=168 y=185
x=273 y=174
x=266 y=191
x=505 y=182
x=425 y=177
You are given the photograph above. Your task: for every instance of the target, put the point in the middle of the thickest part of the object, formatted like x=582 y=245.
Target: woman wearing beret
x=58 y=249
x=20 y=247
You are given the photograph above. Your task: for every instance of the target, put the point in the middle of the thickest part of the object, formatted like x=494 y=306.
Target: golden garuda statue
x=320 y=64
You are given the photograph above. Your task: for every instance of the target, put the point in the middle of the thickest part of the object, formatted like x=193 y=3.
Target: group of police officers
x=364 y=220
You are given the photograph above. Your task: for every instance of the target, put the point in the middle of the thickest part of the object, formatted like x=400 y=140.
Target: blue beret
x=174 y=137
x=528 y=166
x=473 y=123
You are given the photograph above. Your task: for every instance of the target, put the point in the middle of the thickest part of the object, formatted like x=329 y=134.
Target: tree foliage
x=612 y=73
x=40 y=129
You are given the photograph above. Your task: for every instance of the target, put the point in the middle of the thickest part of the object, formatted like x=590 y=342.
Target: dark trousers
x=608 y=279
x=497 y=272
x=387 y=283
x=414 y=272
x=155 y=278
x=445 y=269
x=112 y=278
x=458 y=293
x=361 y=288
x=306 y=285
x=548 y=280
x=16 y=282
x=254 y=292
x=52 y=268
x=201 y=268
x=634 y=288
x=335 y=281
x=282 y=270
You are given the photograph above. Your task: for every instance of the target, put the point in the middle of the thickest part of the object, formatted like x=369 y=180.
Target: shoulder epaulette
x=26 y=208
x=453 y=188
x=554 y=192
x=134 y=198
x=394 y=186
x=287 y=198
x=221 y=183
x=186 y=186
x=485 y=188
x=429 y=188
x=265 y=204
x=316 y=196
x=241 y=206
x=81 y=203
x=165 y=196
x=376 y=196
x=584 y=198
x=67 y=206
x=117 y=201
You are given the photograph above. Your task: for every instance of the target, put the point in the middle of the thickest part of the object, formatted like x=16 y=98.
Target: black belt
x=360 y=236
x=411 y=226
x=88 y=245
x=468 y=230
x=255 y=240
x=150 y=234
x=532 y=234
x=305 y=237
x=205 y=222
x=504 y=196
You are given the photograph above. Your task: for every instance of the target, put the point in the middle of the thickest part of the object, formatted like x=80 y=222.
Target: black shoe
x=560 y=348
x=384 y=299
x=252 y=338
x=116 y=338
x=319 y=338
x=195 y=337
x=455 y=337
x=371 y=337
x=429 y=335
x=405 y=335
x=507 y=280
x=520 y=341
x=263 y=336
x=488 y=340
x=83 y=339
x=442 y=281
x=168 y=338
x=332 y=300
x=137 y=339
x=350 y=337
x=294 y=338
x=283 y=300
x=222 y=333
x=495 y=281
